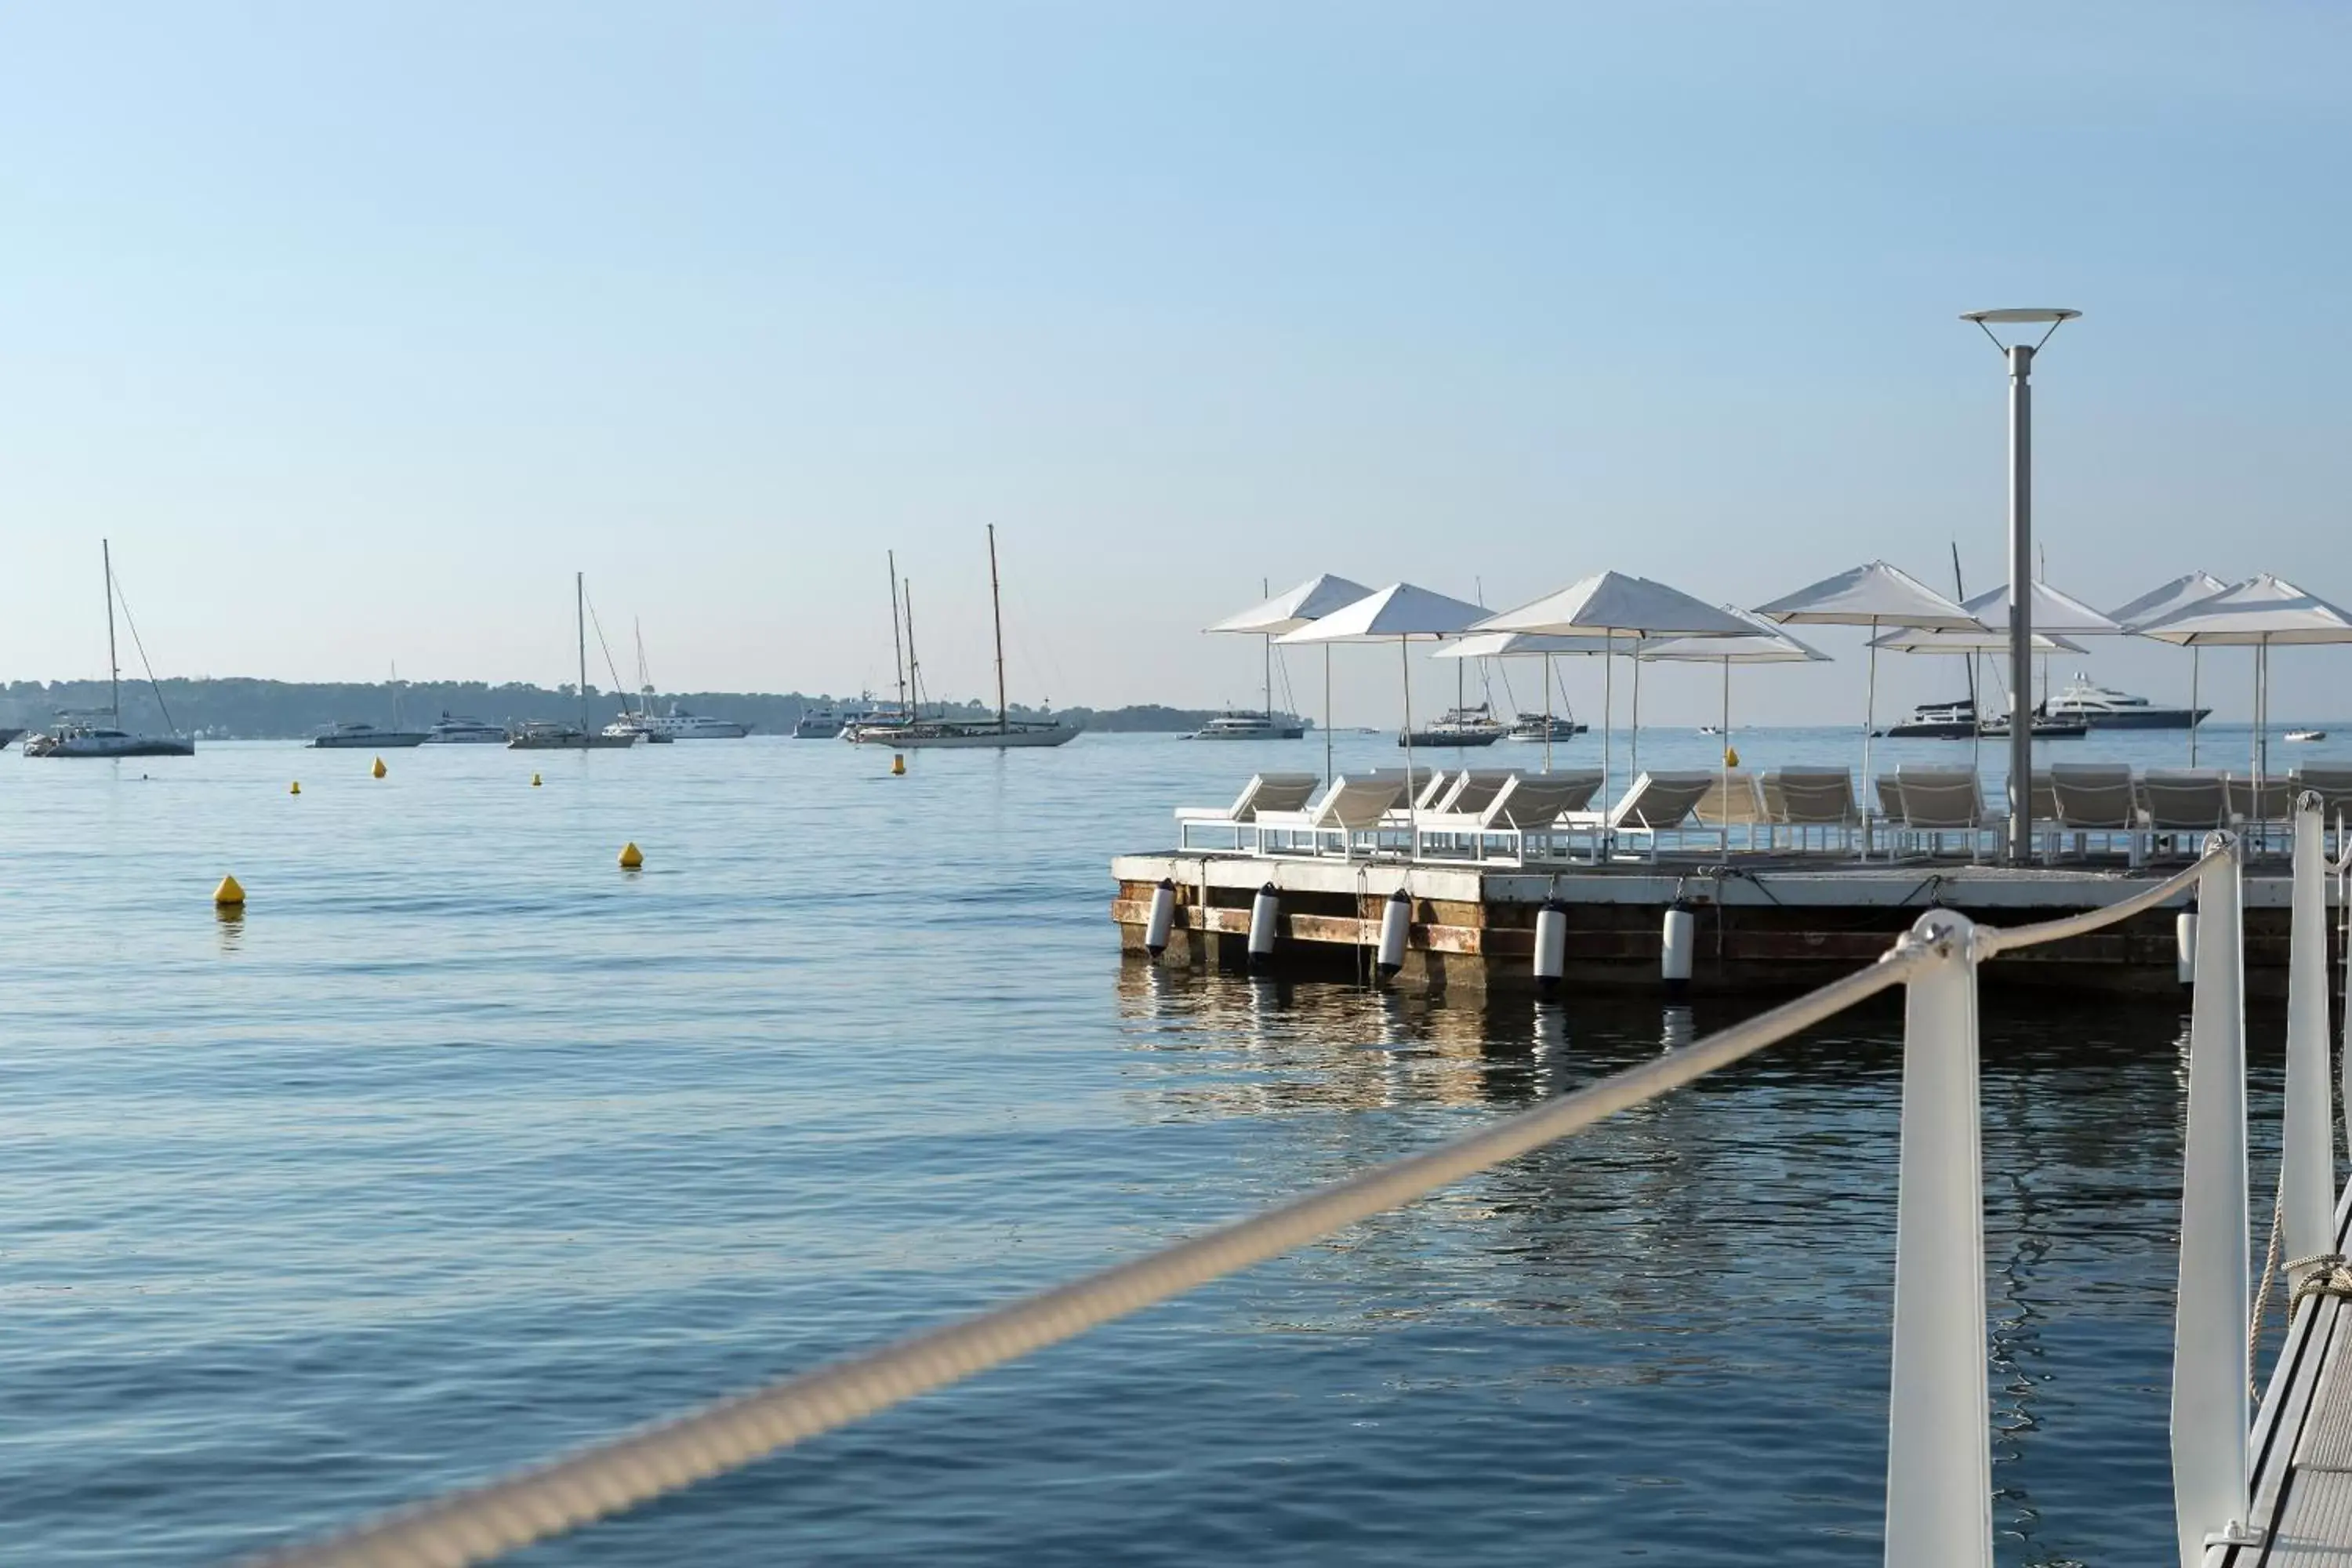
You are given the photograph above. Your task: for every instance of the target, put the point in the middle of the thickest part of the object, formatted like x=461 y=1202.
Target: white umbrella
x=1286 y=612
x=2158 y=602
x=2256 y=614
x=1874 y=594
x=1608 y=605
x=1768 y=644
x=1401 y=612
x=1507 y=645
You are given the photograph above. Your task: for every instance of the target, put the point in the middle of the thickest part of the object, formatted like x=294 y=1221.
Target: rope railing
x=1938 y=1381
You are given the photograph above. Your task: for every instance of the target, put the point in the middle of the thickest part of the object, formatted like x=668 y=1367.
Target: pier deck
x=1761 y=923
x=2302 y=1443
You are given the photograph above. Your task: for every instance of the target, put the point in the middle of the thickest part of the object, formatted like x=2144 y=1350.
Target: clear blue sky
x=359 y=327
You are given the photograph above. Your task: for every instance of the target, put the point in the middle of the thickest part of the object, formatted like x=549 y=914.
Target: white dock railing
x=1938 y=1482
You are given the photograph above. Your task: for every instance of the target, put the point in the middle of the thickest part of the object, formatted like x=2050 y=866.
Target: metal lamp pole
x=2020 y=563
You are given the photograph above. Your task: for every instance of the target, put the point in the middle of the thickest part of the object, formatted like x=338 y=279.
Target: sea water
x=463 y=1145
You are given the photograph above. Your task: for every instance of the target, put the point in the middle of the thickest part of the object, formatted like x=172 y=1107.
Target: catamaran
x=544 y=736
x=87 y=737
x=1003 y=732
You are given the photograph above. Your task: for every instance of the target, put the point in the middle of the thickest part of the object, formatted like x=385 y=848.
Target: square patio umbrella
x=2158 y=602
x=1876 y=595
x=2257 y=612
x=1286 y=612
x=1399 y=612
x=1612 y=605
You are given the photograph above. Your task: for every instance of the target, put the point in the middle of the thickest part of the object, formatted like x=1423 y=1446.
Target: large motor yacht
x=363 y=737
x=456 y=729
x=1251 y=726
x=677 y=724
x=2104 y=708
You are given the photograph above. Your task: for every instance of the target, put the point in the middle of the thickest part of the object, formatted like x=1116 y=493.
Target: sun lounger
x=2180 y=803
x=1520 y=821
x=1732 y=800
x=1805 y=798
x=1265 y=792
x=2255 y=808
x=1470 y=791
x=2096 y=797
x=1351 y=810
x=2333 y=785
x=1934 y=802
x=1652 y=804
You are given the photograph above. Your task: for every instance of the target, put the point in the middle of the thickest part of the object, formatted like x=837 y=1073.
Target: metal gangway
x=2235 y=1496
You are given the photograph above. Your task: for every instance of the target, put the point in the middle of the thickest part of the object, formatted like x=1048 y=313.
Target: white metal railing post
x=2307 y=1139
x=2211 y=1408
x=1940 y=1448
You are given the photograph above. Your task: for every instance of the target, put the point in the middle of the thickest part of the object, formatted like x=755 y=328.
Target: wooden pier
x=1762 y=924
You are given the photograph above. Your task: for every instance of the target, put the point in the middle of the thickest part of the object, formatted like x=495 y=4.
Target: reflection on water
x=1728 y=1251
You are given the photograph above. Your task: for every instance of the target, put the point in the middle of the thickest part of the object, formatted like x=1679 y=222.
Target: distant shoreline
x=238 y=707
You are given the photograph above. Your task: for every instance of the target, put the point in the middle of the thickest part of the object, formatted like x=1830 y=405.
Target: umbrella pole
x=1869 y=721
x=2196 y=660
x=1633 y=767
x=1326 y=715
x=1546 y=713
x=1608 y=714
x=1411 y=794
x=1723 y=738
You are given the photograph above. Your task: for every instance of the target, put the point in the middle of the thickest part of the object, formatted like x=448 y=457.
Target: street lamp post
x=2021 y=560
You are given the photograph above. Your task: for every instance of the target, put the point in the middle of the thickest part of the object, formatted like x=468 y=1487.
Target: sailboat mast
x=1266 y=591
x=996 y=614
x=914 y=668
x=898 y=654
x=580 y=619
x=114 y=666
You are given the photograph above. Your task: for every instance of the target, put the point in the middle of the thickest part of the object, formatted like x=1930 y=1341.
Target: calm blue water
x=464 y=1146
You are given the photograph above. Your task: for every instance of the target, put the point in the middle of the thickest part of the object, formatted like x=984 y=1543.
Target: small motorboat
x=2299 y=737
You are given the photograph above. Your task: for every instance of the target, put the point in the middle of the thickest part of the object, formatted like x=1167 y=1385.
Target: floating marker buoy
x=1265 y=909
x=632 y=857
x=1163 y=916
x=229 y=895
x=534 y=781
x=2184 y=941
x=1396 y=928
x=1674 y=944
x=1552 y=945
x=378 y=770
x=1730 y=756
x=294 y=788
x=898 y=766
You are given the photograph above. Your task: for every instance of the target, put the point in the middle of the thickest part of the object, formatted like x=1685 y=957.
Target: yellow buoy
x=378 y=770
x=897 y=766
x=534 y=781
x=294 y=788
x=1730 y=756
x=632 y=857
x=230 y=894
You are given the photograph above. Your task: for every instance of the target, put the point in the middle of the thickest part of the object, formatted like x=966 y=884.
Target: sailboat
x=1002 y=734
x=872 y=725
x=360 y=736
x=86 y=738
x=550 y=737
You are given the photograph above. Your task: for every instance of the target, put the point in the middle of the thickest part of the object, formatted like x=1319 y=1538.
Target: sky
x=359 y=329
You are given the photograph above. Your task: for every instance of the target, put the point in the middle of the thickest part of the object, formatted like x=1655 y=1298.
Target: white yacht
x=1539 y=727
x=362 y=737
x=456 y=729
x=677 y=724
x=1472 y=726
x=828 y=720
x=2104 y=708
x=1251 y=726
x=84 y=739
